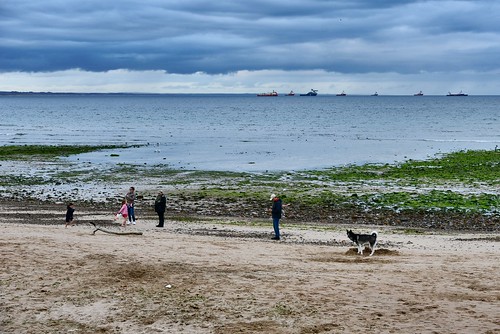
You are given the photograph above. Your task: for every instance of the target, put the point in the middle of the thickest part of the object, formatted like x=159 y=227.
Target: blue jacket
x=277 y=208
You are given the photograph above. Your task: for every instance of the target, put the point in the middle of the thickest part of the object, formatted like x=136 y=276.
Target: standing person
x=123 y=212
x=130 y=197
x=160 y=206
x=276 y=211
x=70 y=209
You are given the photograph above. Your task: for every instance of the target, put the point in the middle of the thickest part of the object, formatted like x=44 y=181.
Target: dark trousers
x=276 y=226
x=131 y=213
x=161 y=217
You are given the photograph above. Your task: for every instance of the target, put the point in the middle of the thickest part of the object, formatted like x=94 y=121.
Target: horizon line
x=14 y=92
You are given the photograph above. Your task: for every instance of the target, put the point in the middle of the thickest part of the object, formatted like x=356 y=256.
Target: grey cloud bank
x=456 y=42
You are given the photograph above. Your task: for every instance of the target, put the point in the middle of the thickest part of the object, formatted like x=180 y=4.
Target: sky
x=250 y=46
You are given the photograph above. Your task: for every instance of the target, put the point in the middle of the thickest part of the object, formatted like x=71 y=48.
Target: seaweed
x=29 y=152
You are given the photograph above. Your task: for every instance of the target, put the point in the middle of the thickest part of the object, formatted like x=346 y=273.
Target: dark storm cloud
x=225 y=36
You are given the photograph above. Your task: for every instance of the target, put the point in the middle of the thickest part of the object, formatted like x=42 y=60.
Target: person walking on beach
x=123 y=212
x=276 y=211
x=130 y=198
x=70 y=209
x=160 y=207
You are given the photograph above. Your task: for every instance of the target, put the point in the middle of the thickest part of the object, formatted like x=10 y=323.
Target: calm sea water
x=249 y=133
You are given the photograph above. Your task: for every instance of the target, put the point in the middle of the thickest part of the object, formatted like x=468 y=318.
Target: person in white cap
x=276 y=211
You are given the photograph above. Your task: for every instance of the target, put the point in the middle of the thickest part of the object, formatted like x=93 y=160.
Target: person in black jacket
x=276 y=211
x=160 y=206
x=70 y=209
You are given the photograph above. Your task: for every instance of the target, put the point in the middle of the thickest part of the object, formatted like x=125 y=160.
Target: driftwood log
x=97 y=228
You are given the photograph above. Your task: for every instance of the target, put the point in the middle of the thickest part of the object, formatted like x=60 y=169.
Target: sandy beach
x=218 y=276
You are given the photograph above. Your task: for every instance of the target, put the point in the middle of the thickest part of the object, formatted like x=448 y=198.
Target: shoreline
x=194 y=209
x=455 y=192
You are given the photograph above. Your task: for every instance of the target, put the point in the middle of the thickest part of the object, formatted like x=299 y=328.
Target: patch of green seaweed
x=463 y=166
x=30 y=152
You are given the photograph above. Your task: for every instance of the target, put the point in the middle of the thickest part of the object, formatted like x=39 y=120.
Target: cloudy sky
x=250 y=46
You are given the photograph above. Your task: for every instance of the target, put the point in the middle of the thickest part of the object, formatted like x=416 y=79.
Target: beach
x=225 y=275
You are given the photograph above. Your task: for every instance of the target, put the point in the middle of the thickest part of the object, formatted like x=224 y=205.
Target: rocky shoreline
x=185 y=208
x=413 y=197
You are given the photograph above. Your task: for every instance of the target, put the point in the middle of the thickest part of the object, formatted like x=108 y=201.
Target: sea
x=246 y=133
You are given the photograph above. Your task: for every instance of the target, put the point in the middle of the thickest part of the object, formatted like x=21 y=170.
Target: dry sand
x=203 y=277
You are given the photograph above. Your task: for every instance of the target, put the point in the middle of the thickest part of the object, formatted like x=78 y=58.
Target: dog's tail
x=375 y=233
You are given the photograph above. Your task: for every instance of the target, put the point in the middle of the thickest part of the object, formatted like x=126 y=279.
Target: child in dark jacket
x=70 y=209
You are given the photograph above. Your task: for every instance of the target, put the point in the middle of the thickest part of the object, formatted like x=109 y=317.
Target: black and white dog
x=363 y=239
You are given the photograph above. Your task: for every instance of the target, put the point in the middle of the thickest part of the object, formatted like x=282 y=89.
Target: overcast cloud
x=238 y=46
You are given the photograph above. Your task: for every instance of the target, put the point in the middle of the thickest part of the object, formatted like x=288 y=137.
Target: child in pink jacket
x=123 y=212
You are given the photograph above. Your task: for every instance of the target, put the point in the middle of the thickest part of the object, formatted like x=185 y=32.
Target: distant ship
x=342 y=94
x=419 y=94
x=313 y=92
x=457 y=94
x=375 y=94
x=273 y=93
x=291 y=93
